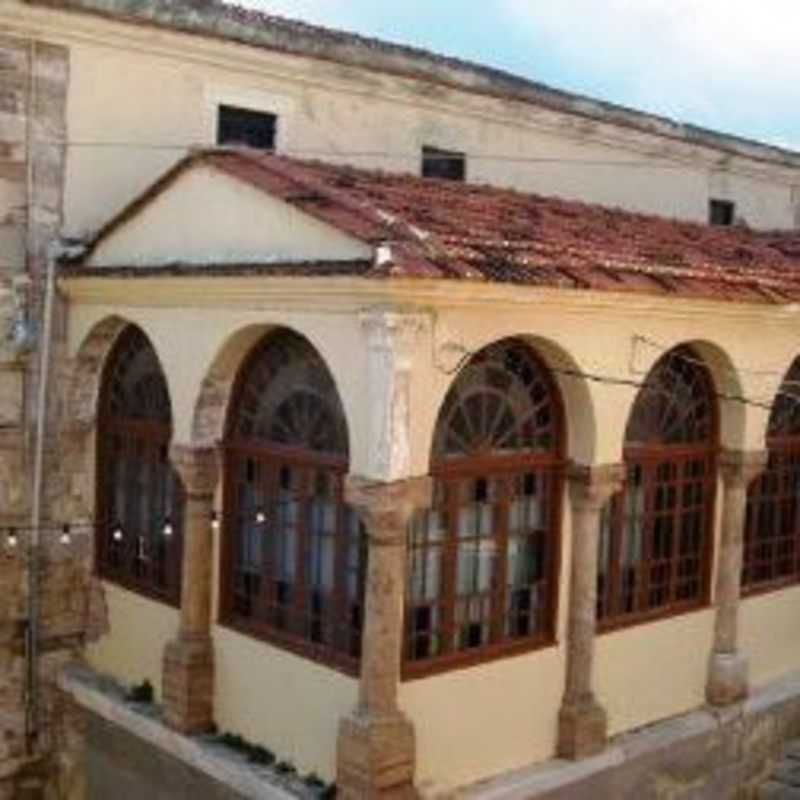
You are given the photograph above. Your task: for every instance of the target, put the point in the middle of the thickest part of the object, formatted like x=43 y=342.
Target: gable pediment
x=206 y=217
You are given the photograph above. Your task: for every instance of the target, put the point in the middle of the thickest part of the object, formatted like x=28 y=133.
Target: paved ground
x=785 y=781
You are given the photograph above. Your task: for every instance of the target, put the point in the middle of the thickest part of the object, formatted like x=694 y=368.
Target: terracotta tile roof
x=440 y=229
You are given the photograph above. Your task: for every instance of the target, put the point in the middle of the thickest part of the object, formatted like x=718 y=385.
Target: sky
x=729 y=65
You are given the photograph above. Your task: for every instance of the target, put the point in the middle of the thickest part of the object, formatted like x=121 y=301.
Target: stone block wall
x=34 y=79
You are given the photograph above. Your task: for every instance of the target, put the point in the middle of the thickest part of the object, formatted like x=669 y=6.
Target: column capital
x=739 y=467
x=393 y=332
x=198 y=467
x=592 y=485
x=386 y=508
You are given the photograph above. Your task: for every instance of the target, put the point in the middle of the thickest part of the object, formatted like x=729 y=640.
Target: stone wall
x=33 y=97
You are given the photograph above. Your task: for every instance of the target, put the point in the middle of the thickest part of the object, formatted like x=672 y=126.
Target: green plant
x=313 y=781
x=260 y=755
x=141 y=693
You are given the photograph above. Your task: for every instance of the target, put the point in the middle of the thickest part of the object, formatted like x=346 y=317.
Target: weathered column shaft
x=727 y=677
x=376 y=751
x=582 y=721
x=188 y=659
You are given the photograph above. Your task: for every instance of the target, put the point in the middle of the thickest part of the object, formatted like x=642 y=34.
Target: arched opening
x=484 y=560
x=139 y=506
x=772 y=529
x=657 y=535
x=293 y=560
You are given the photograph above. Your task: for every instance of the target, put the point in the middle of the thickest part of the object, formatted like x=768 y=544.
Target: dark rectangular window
x=243 y=126
x=721 y=212
x=446 y=164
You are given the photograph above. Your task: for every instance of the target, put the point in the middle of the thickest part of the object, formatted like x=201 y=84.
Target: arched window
x=139 y=539
x=483 y=562
x=655 y=545
x=294 y=556
x=772 y=530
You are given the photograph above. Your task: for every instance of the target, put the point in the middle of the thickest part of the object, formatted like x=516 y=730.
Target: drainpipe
x=34 y=540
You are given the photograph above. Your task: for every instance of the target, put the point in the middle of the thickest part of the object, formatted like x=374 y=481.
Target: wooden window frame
x=770 y=494
x=767 y=494
x=655 y=576
x=126 y=563
x=270 y=462
x=449 y=474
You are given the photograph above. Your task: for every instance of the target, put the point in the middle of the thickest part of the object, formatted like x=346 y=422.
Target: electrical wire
x=467 y=355
x=659 y=162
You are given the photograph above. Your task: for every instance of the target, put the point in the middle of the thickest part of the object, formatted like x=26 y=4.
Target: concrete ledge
x=709 y=753
x=104 y=698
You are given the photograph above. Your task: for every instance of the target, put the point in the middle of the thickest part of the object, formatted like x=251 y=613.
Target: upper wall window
x=139 y=497
x=447 y=164
x=483 y=561
x=243 y=126
x=721 y=212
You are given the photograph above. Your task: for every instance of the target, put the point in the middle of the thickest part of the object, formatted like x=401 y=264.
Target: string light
x=12 y=539
x=261 y=517
x=168 y=528
x=66 y=534
x=215 y=524
x=117 y=533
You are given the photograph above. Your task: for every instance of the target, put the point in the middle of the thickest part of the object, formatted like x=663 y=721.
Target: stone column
x=727 y=669
x=188 y=683
x=582 y=723
x=376 y=749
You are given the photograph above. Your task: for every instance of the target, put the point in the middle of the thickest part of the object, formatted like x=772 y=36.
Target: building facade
x=411 y=482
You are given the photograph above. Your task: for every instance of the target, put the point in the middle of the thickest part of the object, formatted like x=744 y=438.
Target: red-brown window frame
x=447 y=472
x=649 y=458
x=646 y=456
x=780 y=448
x=156 y=437
x=273 y=457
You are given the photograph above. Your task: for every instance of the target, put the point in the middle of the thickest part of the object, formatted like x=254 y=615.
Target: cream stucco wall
x=138 y=631
x=653 y=671
x=482 y=721
x=643 y=673
x=139 y=97
x=769 y=626
x=287 y=703
x=207 y=217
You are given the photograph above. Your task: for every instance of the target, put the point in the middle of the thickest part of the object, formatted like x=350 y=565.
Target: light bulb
x=214 y=521
x=12 y=540
x=116 y=534
x=66 y=535
x=168 y=528
x=261 y=517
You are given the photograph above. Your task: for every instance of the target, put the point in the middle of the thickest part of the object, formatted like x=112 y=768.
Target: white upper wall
x=140 y=95
x=207 y=217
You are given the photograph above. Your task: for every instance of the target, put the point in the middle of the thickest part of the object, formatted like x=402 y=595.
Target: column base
x=727 y=679
x=188 y=684
x=582 y=730
x=375 y=757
